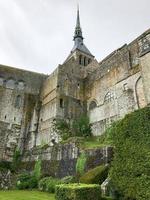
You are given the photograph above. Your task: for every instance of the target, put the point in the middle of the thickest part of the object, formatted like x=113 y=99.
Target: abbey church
x=105 y=91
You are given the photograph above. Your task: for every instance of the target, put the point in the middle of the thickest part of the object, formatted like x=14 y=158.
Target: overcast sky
x=37 y=34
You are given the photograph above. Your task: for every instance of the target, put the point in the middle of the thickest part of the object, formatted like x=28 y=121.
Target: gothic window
x=18 y=101
x=92 y=105
x=108 y=97
x=141 y=101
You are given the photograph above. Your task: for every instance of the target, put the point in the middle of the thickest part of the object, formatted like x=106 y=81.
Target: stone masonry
x=105 y=91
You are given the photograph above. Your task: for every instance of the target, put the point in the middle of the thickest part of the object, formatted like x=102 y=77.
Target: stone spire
x=78 y=38
x=78 y=41
x=78 y=30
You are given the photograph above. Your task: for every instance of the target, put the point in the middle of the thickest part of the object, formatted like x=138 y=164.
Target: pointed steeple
x=78 y=38
x=78 y=42
x=78 y=30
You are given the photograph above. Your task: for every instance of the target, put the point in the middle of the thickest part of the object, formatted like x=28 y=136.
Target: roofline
x=113 y=52
x=23 y=70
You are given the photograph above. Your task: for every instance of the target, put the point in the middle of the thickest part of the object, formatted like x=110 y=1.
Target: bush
x=78 y=192
x=95 y=176
x=130 y=168
x=48 y=184
x=81 y=126
x=5 y=165
x=68 y=179
x=26 y=181
x=62 y=128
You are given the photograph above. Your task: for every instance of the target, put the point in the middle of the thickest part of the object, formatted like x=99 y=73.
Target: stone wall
x=119 y=86
x=19 y=95
x=48 y=110
x=60 y=160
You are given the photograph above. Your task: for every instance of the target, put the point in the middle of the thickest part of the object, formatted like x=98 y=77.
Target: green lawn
x=25 y=195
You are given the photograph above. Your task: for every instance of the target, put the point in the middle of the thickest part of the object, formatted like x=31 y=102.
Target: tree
x=81 y=126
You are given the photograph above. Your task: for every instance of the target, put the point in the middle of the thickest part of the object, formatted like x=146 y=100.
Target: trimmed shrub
x=130 y=168
x=95 y=176
x=26 y=181
x=48 y=184
x=78 y=192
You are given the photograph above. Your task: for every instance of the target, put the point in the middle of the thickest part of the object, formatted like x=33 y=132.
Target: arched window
x=108 y=97
x=18 y=101
x=92 y=105
x=141 y=101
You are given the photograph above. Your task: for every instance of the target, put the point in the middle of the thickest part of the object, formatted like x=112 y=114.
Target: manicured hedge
x=78 y=192
x=130 y=168
x=95 y=176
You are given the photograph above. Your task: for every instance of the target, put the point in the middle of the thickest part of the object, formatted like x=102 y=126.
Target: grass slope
x=25 y=195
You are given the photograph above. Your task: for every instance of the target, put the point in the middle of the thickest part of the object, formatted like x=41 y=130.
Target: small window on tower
x=85 y=61
x=80 y=60
x=61 y=103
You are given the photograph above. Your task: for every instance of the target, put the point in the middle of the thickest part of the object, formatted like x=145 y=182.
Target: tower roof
x=78 y=38
x=78 y=30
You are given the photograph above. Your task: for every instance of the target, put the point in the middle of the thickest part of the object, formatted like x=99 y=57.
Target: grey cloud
x=37 y=34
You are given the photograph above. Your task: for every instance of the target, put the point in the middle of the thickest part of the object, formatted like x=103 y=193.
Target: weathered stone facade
x=105 y=91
